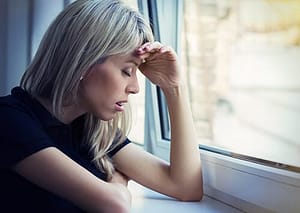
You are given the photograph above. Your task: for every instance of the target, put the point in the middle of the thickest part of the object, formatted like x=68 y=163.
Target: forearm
x=185 y=165
x=55 y=172
x=183 y=177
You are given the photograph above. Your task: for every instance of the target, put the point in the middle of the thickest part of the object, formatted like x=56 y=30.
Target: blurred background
x=242 y=64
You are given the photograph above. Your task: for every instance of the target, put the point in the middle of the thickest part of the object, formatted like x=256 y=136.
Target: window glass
x=137 y=102
x=241 y=63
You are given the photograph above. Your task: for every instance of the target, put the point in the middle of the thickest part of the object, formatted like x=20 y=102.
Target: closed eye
x=127 y=72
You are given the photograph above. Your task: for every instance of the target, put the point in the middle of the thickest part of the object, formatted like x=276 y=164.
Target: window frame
x=155 y=104
x=237 y=182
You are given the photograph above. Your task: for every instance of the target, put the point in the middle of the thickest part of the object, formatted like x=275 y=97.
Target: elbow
x=194 y=196
x=121 y=203
x=118 y=200
x=112 y=206
x=120 y=207
x=192 y=193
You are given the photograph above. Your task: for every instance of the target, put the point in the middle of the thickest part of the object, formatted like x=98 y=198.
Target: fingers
x=165 y=49
x=151 y=48
x=150 y=51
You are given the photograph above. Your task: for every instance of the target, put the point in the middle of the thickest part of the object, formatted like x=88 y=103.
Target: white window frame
x=246 y=185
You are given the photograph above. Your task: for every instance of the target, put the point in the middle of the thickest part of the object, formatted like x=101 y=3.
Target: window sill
x=249 y=186
x=146 y=201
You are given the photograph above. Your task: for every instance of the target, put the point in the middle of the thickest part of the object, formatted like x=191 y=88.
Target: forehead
x=126 y=58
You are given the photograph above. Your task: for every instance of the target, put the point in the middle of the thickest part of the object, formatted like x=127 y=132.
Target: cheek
x=96 y=82
x=101 y=92
x=107 y=86
x=103 y=78
x=92 y=93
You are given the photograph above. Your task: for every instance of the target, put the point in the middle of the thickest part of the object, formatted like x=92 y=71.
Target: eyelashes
x=127 y=72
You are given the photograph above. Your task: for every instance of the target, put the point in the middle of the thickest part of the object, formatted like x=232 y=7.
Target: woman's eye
x=127 y=72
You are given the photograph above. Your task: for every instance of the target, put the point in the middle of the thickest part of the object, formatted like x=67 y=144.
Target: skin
x=181 y=178
x=117 y=77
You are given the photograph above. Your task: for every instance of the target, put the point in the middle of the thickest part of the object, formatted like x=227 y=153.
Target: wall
x=22 y=23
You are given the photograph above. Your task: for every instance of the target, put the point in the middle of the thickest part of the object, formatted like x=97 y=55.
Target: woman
x=63 y=131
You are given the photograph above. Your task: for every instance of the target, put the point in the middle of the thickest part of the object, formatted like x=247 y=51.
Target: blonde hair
x=84 y=33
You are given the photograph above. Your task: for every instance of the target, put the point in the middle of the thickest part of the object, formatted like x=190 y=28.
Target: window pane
x=241 y=62
x=137 y=102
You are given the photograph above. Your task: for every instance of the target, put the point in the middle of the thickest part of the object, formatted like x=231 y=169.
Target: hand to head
x=159 y=64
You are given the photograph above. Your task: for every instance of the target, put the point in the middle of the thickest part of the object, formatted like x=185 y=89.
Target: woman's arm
x=185 y=165
x=54 y=171
x=182 y=178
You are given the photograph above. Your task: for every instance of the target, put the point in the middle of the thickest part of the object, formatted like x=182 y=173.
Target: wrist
x=174 y=91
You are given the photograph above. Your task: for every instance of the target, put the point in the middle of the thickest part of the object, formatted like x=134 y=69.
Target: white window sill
x=245 y=185
x=146 y=201
x=249 y=186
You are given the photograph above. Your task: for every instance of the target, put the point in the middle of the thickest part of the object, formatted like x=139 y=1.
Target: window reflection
x=241 y=60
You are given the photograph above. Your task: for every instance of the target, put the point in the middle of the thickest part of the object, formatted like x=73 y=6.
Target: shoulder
x=20 y=106
x=17 y=102
x=21 y=132
x=14 y=111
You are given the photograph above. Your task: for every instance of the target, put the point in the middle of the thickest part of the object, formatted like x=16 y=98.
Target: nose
x=133 y=86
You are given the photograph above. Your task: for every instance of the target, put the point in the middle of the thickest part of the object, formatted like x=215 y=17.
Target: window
x=163 y=16
x=242 y=73
x=242 y=76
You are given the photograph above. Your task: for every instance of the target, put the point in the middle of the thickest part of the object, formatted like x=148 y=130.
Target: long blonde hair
x=84 y=33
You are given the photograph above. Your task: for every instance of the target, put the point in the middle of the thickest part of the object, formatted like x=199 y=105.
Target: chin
x=106 y=117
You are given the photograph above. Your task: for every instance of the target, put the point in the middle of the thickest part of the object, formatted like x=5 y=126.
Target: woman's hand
x=159 y=65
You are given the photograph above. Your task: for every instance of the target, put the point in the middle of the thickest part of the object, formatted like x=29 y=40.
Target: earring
x=81 y=78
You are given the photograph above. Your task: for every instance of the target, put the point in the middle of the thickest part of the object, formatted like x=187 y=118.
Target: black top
x=25 y=128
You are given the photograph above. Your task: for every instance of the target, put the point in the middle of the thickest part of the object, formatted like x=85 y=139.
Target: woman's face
x=106 y=86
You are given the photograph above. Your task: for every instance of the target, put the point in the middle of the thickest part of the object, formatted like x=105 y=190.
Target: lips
x=119 y=106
